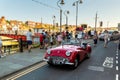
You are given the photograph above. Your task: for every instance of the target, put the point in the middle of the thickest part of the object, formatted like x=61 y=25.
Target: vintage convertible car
x=69 y=53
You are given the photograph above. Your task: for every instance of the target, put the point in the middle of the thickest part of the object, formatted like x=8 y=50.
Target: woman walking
x=95 y=38
x=29 y=39
x=106 y=38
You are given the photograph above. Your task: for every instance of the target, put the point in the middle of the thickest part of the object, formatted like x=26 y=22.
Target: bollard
x=20 y=45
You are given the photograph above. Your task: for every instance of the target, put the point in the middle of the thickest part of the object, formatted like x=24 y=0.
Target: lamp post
x=53 y=22
x=95 y=21
x=96 y=18
x=65 y=13
x=76 y=4
x=62 y=2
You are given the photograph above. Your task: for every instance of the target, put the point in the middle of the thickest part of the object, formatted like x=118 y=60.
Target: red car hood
x=61 y=50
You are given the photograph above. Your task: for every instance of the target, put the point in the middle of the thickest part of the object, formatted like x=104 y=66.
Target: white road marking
x=117 y=68
x=117 y=77
x=108 y=62
x=96 y=68
x=116 y=61
x=26 y=71
x=116 y=57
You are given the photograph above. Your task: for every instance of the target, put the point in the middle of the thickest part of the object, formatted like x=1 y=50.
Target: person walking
x=46 y=40
x=41 y=41
x=29 y=39
x=51 y=40
x=95 y=38
x=106 y=38
x=59 y=38
x=80 y=37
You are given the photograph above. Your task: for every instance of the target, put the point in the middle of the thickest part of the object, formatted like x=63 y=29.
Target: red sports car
x=69 y=53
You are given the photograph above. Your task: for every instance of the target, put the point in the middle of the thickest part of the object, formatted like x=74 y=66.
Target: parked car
x=101 y=37
x=69 y=53
x=114 y=35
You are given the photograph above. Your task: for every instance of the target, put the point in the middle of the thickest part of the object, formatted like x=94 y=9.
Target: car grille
x=58 y=60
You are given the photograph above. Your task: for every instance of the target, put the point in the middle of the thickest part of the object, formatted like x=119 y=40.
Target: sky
x=43 y=10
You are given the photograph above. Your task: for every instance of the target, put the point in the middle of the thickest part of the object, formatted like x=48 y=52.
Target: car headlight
x=48 y=51
x=68 y=53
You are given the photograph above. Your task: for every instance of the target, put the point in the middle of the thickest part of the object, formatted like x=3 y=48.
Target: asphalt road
x=103 y=65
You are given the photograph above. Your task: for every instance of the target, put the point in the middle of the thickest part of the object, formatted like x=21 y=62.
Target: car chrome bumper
x=64 y=62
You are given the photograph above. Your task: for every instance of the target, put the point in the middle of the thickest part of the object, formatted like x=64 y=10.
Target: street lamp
x=62 y=2
x=96 y=16
x=76 y=4
x=53 y=22
x=65 y=13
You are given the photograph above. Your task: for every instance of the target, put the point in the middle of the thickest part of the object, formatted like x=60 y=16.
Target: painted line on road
x=117 y=77
x=96 y=68
x=108 y=62
x=26 y=71
x=116 y=61
x=116 y=57
x=117 y=54
x=117 y=68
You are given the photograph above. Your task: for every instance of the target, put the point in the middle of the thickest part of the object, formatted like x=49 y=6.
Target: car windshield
x=110 y=32
x=70 y=42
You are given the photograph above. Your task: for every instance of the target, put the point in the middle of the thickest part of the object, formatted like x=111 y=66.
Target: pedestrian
x=29 y=39
x=46 y=40
x=76 y=35
x=106 y=38
x=95 y=38
x=80 y=37
x=51 y=40
x=89 y=33
x=59 y=38
x=41 y=41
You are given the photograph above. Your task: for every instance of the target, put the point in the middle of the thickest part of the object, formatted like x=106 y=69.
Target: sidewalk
x=17 y=61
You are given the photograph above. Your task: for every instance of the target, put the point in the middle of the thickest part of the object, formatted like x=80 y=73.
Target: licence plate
x=57 y=61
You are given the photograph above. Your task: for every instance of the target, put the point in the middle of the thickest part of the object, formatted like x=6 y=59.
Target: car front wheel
x=76 y=63
x=50 y=64
x=88 y=55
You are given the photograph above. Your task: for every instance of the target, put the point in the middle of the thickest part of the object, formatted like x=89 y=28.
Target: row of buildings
x=11 y=26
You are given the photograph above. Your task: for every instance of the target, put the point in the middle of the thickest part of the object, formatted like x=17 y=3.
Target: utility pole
x=58 y=4
x=96 y=21
x=107 y=24
x=41 y=22
x=76 y=4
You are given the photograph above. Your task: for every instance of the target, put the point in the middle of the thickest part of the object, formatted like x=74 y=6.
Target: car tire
x=88 y=55
x=50 y=64
x=76 y=63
